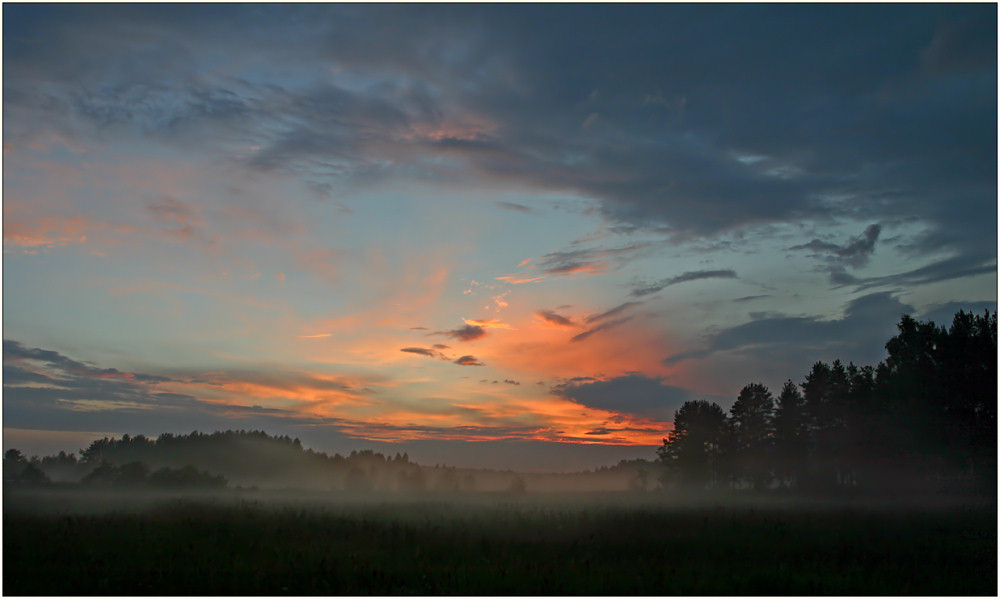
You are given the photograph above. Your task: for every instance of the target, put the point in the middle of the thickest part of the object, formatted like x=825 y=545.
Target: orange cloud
x=542 y=348
x=489 y=323
x=516 y=279
x=550 y=418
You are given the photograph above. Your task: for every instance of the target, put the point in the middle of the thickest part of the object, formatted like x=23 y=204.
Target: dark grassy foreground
x=493 y=546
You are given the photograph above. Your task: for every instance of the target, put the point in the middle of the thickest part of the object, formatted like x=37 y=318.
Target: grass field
x=491 y=546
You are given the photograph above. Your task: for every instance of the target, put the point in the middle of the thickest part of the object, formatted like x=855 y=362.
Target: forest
x=922 y=420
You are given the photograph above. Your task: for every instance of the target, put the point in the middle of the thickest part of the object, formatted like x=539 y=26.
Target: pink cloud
x=46 y=232
x=515 y=279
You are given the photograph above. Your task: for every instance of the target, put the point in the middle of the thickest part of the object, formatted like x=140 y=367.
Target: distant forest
x=922 y=420
x=220 y=459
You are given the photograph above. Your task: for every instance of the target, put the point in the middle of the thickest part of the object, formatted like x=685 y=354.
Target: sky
x=510 y=236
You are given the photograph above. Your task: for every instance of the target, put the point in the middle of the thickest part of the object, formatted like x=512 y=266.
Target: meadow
x=604 y=544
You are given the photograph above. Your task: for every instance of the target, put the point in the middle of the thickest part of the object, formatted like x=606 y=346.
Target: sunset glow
x=373 y=226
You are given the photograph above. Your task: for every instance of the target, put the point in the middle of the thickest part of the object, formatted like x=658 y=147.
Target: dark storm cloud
x=696 y=275
x=632 y=394
x=554 y=318
x=690 y=119
x=469 y=332
x=468 y=361
x=868 y=322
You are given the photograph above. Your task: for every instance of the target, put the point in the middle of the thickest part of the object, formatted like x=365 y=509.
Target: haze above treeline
x=922 y=420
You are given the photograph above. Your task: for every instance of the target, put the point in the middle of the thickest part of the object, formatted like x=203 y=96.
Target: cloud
x=44 y=389
x=422 y=351
x=15 y=352
x=590 y=261
x=585 y=261
x=957 y=267
x=696 y=275
x=515 y=279
x=601 y=327
x=45 y=233
x=634 y=394
x=612 y=312
x=172 y=210
x=468 y=361
x=859 y=335
x=515 y=207
x=488 y=323
x=855 y=114
x=855 y=253
x=553 y=318
x=469 y=332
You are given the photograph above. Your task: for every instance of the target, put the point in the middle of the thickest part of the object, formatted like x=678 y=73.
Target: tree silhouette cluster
x=924 y=418
x=213 y=460
x=138 y=475
x=19 y=470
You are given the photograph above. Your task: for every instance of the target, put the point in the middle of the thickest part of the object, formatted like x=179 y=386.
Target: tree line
x=218 y=459
x=922 y=419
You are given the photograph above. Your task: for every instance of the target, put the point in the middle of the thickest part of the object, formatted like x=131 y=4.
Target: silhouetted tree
x=940 y=386
x=791 y=434
x=693 y=449
x=132 y=474
x=639 y=482
x=751 y=432
x=927 y=415
x=105 y=475
x=911 y=391
x=822 y=389
x=19 y=471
